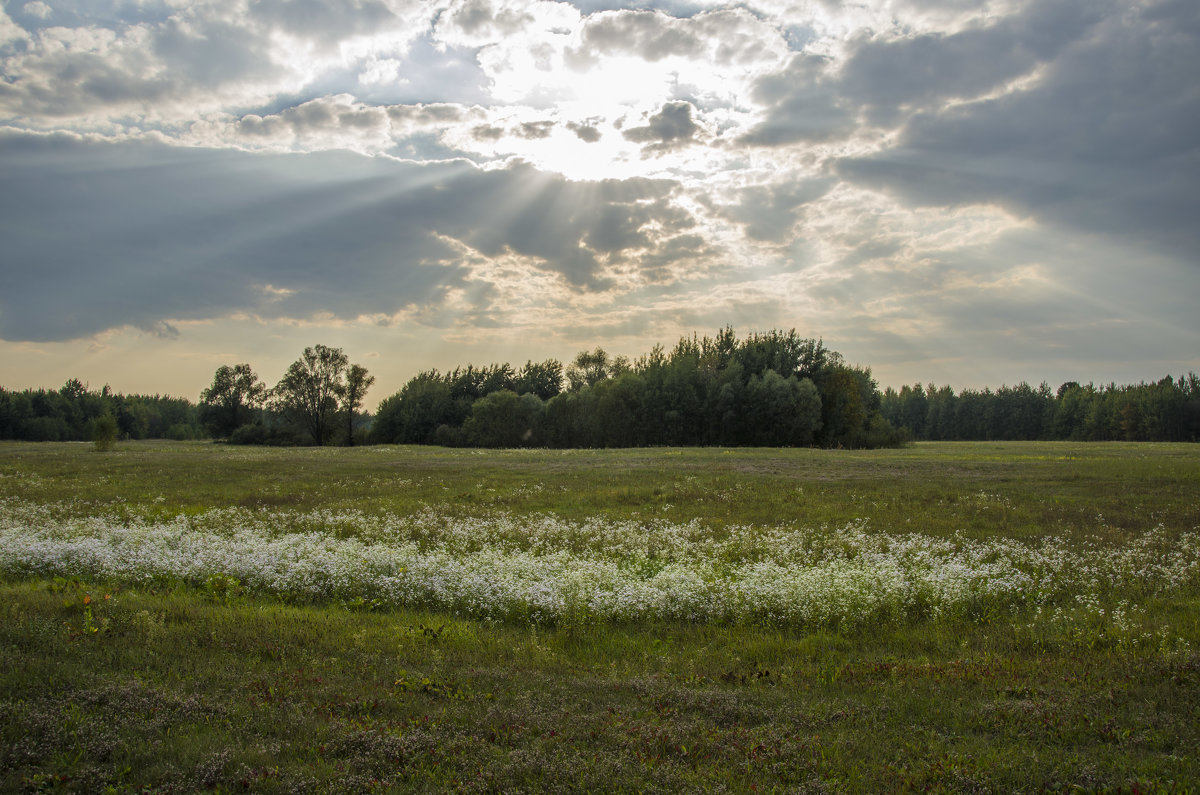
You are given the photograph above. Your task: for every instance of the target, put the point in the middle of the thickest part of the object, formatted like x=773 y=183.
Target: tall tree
x=310 y=390
x=227 y=404
x=543 y=380
x=589 y=369
x=357 y=384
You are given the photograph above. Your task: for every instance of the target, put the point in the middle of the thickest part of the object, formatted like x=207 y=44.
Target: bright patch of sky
x=966 y=191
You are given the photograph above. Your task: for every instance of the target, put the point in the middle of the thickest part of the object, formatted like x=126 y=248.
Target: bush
x=449 y=436
x=104 y=433
x=182 y=432
x=259 y=434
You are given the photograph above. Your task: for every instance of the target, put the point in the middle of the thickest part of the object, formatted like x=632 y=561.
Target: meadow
x=955 y=617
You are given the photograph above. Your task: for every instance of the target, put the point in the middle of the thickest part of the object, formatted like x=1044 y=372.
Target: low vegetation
x=946 y=617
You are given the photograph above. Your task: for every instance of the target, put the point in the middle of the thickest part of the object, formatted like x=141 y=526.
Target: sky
x=964 y=192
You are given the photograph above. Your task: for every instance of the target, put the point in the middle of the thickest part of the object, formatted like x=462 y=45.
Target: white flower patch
x=542 y=568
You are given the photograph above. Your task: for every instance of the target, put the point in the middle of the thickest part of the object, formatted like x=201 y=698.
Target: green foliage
x=223 y=589
x=316 y=388
x=269 y=433
x=232 y=400
x=68 y=414
x=309 y=391
x=772 y=389
x=413 y=414
x=504 y=419
x=104 y=433
x=357 y=384
x=1165 y=411
x=543 y=379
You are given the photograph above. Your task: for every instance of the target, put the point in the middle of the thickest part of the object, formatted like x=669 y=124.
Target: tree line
x=1163 y=411
x=317 y=401
x=72 y=412
x=768 y=389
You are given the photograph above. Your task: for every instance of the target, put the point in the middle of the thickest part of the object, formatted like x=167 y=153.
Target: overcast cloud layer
x=967 y=192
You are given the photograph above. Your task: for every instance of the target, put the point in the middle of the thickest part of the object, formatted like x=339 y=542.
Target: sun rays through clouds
x=878 y=174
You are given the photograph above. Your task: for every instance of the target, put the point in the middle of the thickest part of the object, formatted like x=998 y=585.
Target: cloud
x=887 y=73
x=891 y=172
x=586 y=132
x=335 y=122
x=1101 y=143
x=487 y=132
x=651 y=34
x=770 y=212
x=670 y=128
x=734 y=38
x=324 y=22
x=102 y=235
x=152 y=66
x=803 y=105
x=38 y=9
x=535 y=130
x=10 y=31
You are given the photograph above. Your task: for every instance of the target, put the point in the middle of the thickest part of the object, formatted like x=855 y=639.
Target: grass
x=212 y=684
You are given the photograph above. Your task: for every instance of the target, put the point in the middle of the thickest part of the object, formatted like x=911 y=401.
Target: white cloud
x=38 y=9
x=10 y=31
x=381 y=71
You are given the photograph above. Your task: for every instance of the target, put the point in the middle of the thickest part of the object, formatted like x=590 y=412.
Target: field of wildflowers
x=953 y=617
x=540 y=569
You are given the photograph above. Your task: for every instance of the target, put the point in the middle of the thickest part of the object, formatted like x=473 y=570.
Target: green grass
x=195 y=687
x=1015 y=489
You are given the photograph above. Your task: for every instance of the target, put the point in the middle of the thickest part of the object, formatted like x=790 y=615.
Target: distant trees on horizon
x=1164 y=411
x=767 y=389
x=71 y=413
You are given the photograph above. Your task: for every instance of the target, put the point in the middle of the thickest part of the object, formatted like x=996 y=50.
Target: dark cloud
x=487 y=132
x=586 y=132
x=534 y=130
x=670 y=128
x=325 y=116
x=1104 y=142
x=105 y=235
x=803 y=105
x=769 y=212
x=886 y=74
x=686 y=251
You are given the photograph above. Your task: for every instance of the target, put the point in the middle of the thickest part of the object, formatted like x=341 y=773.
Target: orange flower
x=87 y=599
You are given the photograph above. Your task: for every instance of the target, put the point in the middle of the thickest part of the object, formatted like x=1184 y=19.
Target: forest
x=764 y=390
x=1164 y=411
x=71 y=414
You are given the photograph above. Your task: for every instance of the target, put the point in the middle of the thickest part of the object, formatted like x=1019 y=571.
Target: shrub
x=104 y=433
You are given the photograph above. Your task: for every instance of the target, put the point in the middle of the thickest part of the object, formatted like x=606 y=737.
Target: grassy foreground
x=211 y=681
